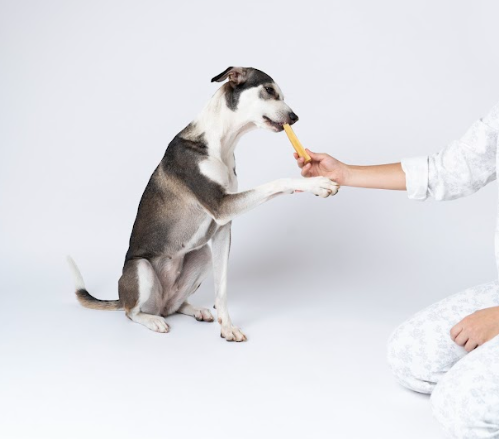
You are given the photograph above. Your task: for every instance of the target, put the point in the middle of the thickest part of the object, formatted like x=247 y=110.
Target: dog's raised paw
x=203 y=315
x=232 y=333
x=323 y=187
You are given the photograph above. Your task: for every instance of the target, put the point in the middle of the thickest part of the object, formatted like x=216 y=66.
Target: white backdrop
x=91 y=93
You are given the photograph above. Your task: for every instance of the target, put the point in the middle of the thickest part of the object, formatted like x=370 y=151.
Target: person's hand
x=322 y=165
x=477 y=328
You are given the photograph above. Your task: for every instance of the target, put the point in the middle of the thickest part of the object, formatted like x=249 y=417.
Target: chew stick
x=300 y=150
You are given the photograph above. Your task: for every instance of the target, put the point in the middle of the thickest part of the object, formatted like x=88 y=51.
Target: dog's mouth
x=276 y=126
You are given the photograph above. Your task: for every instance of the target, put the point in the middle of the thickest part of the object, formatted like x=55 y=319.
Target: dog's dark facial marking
x=255 y=79
x=269 y=92
x=247 y=77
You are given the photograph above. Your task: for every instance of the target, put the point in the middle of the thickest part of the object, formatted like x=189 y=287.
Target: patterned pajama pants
x=464 y=387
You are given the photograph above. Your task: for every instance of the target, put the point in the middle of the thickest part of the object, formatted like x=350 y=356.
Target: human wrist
x=343 y=175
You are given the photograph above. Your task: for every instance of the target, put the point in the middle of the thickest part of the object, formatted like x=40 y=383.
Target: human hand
x=477 y=328
x=322 y=165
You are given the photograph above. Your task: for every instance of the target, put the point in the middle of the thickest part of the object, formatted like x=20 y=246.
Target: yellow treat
x=300 y=150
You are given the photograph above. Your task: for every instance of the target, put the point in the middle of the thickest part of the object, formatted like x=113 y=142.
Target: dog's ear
x=236 y=75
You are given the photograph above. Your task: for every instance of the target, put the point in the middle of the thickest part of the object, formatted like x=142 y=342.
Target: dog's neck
x=220 y=127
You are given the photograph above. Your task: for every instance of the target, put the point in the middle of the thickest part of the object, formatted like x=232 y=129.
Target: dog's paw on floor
x=203 y=315
x=154 y=323
x=232 y=333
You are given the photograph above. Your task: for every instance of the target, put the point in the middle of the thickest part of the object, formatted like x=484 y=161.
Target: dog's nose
x=293 y=117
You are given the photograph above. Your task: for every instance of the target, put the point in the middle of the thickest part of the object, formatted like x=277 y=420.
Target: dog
x=183 y=223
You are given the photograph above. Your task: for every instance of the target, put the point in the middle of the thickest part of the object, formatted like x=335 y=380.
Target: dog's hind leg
x=195 y=268
x=140 y=290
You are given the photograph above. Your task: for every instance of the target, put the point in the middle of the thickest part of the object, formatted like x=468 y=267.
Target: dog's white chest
x=220 y=173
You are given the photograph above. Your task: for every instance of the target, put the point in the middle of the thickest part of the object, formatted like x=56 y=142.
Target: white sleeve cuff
x=416 y=174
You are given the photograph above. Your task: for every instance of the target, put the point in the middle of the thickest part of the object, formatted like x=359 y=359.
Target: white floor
x=317 y=287
x=314 y=367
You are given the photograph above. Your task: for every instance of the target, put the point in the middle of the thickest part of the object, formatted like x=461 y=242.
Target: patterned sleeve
x=461 y=168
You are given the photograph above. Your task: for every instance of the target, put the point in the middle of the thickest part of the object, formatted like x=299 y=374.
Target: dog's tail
x=84 y=297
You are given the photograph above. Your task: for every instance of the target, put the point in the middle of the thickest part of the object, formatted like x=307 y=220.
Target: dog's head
x=256 y=98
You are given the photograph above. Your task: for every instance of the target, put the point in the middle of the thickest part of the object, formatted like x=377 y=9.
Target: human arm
x=459 y=169
x=388 y=176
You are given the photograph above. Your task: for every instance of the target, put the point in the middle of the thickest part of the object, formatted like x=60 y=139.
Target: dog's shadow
x=270 y=285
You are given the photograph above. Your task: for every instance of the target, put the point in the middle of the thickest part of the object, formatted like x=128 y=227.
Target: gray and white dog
x=183 y=224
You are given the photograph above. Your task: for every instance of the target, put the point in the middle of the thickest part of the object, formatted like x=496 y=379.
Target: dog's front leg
x=220 y=247
x=232 y=205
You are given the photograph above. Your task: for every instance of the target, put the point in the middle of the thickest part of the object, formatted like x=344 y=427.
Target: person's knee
x=466 y=402
x=404 y=358
x=420 y=351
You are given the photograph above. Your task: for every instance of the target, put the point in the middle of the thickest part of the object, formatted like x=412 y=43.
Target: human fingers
x=462 y=338
x=305 y=171
x=470 y=345
x=455 y=331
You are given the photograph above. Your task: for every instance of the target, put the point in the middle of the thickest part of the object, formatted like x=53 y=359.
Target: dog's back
x=171 y=209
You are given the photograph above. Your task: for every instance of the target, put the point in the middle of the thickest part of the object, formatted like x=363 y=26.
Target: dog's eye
x=270 y=91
